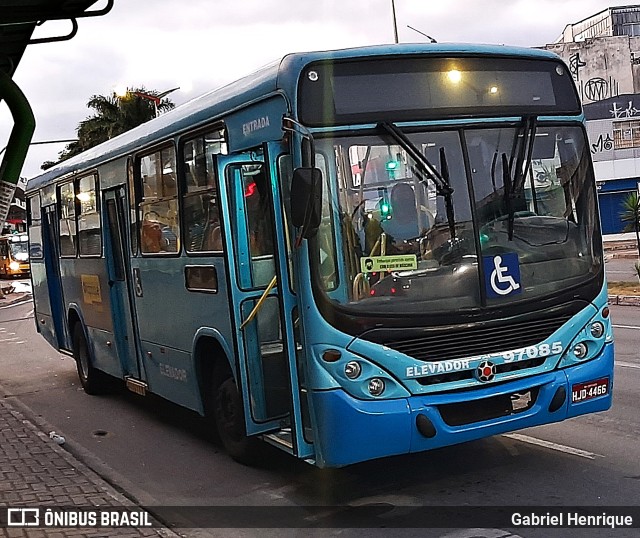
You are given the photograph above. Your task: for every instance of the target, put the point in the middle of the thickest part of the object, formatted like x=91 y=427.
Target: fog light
x=597 y=329
x=352 y=369
x=376 y=386
x=580 y=350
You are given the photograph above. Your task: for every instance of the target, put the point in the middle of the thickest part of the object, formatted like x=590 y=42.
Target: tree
x=631 y=214
x=114 y=115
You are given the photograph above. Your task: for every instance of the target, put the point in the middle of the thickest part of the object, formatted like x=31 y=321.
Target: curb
x=624 y=300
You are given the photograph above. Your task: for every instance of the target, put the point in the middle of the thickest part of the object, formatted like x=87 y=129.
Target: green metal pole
x=19 y=140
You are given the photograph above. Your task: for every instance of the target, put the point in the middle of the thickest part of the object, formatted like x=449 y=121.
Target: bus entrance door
x=259 y=303
x=124 y=328
x=54 y=283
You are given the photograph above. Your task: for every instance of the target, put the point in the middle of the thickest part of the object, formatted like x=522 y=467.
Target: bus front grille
x=461 y=342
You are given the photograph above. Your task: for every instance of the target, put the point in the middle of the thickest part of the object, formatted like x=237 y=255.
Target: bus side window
x=35 y=227
x=89 y=228
x=133 y=230
x=158 y=209
x=200 y=206
x=67 y=225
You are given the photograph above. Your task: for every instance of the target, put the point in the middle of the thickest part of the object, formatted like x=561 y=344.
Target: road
x=161 y=456
x=621 y=270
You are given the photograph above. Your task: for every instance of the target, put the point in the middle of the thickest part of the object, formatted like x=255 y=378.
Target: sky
x=200 y=45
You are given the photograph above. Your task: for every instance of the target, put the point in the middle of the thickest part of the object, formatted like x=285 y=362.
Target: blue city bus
x=349 y=254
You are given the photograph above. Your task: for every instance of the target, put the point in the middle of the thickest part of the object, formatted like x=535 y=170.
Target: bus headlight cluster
x=353 y=370
x=14 y=266
x=581 y=349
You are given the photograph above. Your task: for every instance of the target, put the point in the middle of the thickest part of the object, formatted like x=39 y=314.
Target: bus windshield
x=478 y=217
x=19 y=248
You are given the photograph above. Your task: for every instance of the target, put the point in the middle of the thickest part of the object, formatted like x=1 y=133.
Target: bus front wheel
x=93 y=381
x=229 y=418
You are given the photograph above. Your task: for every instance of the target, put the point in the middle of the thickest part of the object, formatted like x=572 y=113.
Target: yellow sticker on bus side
x=376 y=264
x=91 y=292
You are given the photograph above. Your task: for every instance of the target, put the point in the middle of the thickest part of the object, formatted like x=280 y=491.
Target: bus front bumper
x=349 y=430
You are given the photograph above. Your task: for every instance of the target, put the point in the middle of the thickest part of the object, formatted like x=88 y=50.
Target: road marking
x=627 y=364
x=626 y=326
x=552 y=446
x=480 y=533
x=15 y=304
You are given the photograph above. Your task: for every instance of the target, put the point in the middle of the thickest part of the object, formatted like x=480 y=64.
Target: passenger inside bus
x=403 y=223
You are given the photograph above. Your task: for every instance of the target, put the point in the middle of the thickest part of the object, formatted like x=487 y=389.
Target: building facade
x=17 y=217
x=603 y=55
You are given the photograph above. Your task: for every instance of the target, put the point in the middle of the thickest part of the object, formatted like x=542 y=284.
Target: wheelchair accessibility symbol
x=502 y=275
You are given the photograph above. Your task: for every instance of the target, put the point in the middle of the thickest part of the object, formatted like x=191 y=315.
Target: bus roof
x=281 y=75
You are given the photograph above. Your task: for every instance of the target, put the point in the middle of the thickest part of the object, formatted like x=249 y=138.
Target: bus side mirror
x=306 y=200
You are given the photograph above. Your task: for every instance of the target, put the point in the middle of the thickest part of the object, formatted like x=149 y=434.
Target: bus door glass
x=256 y=297
x=119 y=283
x=51 y=252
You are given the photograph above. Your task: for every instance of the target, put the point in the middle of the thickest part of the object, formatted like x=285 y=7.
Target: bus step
x=135 y=385
x=282 y=439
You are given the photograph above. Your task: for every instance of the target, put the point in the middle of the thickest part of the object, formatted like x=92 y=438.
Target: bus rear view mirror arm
x=306 y=200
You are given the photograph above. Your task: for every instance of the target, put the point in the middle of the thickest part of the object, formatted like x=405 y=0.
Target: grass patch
x=624 y=288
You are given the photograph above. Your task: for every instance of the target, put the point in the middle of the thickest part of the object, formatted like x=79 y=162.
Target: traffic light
x=386 y=211
x=391 y=166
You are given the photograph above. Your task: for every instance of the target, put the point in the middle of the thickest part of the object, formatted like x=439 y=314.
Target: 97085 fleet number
x=532 y=352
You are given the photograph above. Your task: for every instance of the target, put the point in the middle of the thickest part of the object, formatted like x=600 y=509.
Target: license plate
x=589 y=390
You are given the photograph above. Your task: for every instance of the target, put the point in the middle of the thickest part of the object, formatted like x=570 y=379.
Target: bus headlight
x=352 y=369
x=580 y=350
x=597 y=329
x=356 y=374
x=14 y=266
x=376 y=386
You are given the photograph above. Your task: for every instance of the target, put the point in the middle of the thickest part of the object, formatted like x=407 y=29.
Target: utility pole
x=395 y=24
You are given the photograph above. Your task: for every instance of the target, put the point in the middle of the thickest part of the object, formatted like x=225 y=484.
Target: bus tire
x=228 y=413
x=93 y=381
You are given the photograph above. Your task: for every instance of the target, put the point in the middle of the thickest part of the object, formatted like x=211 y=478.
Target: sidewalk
x=13 y=292
x=35 y=472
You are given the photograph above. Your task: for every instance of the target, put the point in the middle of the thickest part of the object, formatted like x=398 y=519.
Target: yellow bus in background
x=14 y=255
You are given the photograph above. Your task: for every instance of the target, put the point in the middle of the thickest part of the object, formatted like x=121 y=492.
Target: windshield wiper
x=514 y=187
x=508 y=194
x=524 y=151
x=424 y=168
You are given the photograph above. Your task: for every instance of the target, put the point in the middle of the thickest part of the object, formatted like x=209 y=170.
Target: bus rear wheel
x=228 y=413
x=93 y=381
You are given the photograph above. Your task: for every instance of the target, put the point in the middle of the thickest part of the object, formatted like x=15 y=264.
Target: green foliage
x=631 y=215
x=113 y=116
